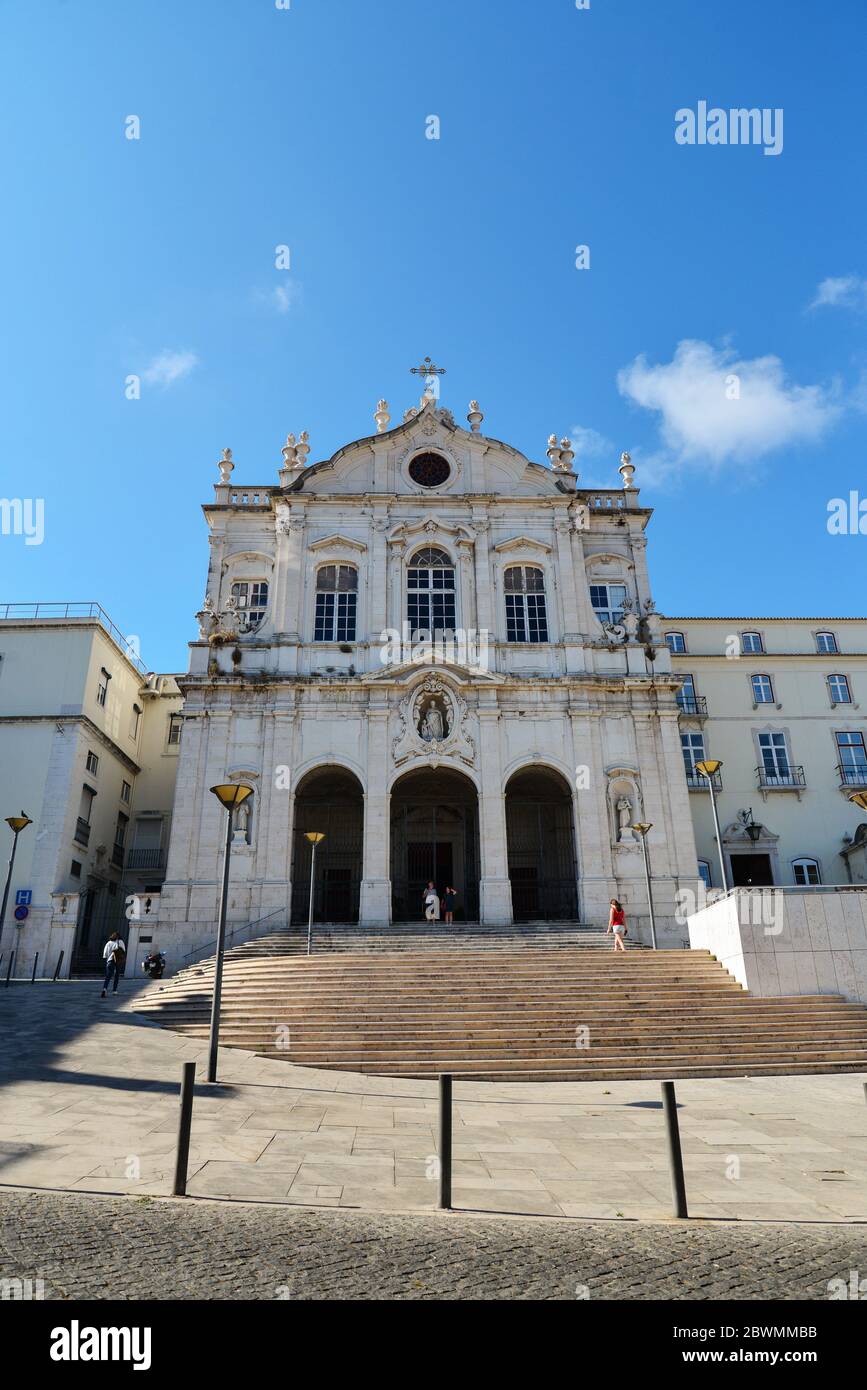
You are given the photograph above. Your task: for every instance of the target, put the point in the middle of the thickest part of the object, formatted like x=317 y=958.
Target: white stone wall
x=789 y=943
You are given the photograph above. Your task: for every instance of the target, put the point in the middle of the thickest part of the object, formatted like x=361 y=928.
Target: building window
x=806 y=872
x=853 y=758
x=704 y=873
x=251 y=602
x=119 y=839
x=763 y=690
x=692 y=746
x=608 y=601
x=826 y=642
x=125 y=791
x=85 y=809
x=102 y=688
x=838 y=687
x=336 y=604
x=175 y=722
x=775 y=757
x=431 y=596
x=134 y=719
x=526 y=618
x=75 y=869
x=751 y=642
x=687 y=698
x=675 y=641
x=92 y=762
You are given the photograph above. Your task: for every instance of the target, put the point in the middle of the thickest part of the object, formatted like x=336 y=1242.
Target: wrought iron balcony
x=854 y=776
x=697 y=782
x=695 y=705
x=82 y=832
x=792 y=779
x=146 y=859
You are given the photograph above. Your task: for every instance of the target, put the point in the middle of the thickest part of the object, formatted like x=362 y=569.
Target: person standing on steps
x=431 y=903
x=617 y=924
x=449 y=899
x=114 y=955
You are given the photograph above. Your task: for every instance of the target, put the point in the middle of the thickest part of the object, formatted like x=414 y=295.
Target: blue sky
x=306 y=127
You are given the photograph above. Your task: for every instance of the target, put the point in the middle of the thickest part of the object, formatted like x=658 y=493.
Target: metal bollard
x=188 y=1081
x=675 y=1156
x=58 y=965
x=445 y=1202
x=9 y=970
x=35 y=963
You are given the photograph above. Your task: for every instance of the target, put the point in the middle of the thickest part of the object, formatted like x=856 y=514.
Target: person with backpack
x=114 y=955
x=617 y=924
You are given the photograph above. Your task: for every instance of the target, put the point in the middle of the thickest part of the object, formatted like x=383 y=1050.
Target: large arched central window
x=431 y=595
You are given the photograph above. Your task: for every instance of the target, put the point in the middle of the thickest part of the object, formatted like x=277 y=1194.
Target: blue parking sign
x=24 y=897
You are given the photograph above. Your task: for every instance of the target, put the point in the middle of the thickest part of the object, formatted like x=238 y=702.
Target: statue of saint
x=432 y=727
x=624 y=820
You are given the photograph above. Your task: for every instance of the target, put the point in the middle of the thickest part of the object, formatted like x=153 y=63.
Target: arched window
x=826 y=642
x=431 y=595
x=526 y=617
x=806 y=872
x=336 y=603
x=675 y=641
x=751 y=642
x=251 y=602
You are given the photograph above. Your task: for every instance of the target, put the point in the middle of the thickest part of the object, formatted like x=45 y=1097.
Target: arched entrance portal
x=329 y=799
x=434 y=835
x=541 y=847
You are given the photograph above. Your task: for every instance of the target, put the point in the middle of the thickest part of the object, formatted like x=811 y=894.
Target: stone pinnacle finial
x=567 y=453
x=475 y=416
x=553 y=451
x=626 y=470
x=382 y=417
x=225 y=466
x=302 y=448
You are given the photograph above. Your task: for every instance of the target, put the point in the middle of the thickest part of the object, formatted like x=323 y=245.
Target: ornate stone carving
x=433 y=722
x=225 y=466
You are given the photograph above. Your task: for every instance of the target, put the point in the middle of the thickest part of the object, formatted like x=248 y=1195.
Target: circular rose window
x=429 y=470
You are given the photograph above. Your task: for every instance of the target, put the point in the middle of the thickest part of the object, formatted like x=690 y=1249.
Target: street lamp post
x=315 y=837
x=16 y=825
x=230 y=795
x=642 y=827
x=709 y=769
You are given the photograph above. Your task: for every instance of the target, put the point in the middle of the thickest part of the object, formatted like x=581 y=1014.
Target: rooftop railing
x=30 y=612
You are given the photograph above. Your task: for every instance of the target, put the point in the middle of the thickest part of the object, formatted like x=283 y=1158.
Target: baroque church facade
x=445 y=658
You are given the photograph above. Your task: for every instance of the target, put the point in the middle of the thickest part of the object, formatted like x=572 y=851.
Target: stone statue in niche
x=625 y=834
x=433 y=722
x=241 y=834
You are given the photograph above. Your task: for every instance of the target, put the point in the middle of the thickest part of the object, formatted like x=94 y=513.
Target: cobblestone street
x=142 y=1248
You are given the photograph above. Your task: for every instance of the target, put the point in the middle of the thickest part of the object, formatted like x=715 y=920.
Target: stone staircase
x=550 y=1002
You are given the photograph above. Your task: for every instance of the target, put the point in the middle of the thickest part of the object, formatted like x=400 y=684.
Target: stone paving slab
x=89 y=1101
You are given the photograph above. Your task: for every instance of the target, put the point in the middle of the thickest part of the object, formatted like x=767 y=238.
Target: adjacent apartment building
x=782 y=703
x=88 y=749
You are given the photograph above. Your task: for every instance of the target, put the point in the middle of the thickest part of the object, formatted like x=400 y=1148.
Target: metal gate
x=541 y=854
x=337 y=888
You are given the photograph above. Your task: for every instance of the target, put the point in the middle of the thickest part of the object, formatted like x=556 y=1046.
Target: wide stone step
x=505 y=1005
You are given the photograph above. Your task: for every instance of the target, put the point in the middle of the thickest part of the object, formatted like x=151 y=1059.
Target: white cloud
x=716 y=408
x=590 y=444
x=282 y=298
x=169 y=366
x=841 y=292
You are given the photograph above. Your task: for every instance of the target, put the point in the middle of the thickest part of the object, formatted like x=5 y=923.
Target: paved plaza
x=88 y=1102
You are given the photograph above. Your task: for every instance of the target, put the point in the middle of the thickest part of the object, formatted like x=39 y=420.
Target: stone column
x=377 y=592
x=596 y=880
x=571 y=622
x=375 y=908
x=485 y=616
x=495 y=890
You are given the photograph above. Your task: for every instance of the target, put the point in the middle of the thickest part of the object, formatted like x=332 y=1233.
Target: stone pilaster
x=375 y=909
x=495 y=890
